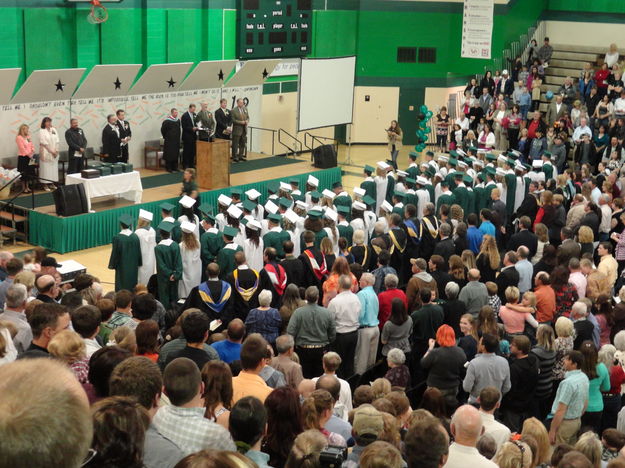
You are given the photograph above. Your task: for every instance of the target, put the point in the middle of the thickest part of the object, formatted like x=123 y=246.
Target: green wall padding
x=85 y=231
x=48 y=39
x=597 y=6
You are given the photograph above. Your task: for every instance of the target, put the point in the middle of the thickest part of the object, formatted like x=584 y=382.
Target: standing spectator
x=229 y=350
x=264 y=319
x=607 y=264
x=426 y=321
x=583 y=327
x=283 y=362
x=488 y=259
x=48 y=154
x=545 y=53
x=565 y=292
x=577 y=278
x=487 y=369
x=248 y=423
x=611 y=398
x=368 y=331
x=420 y=280
x=385 y=299
x=346 y=309
x=489 y=400
x=474 y=295
x=284 y=424
x=195 y=329
x=525 y=269
x=508 y=276
x=331 y=362
x=466 y=429
x=249 y=382
x=25 y=157
x=599 y=381
x=313 y=329
x=546 y=355
x=217 y=378
x=14 y=313
x=398 y=373
x=545 y=298
x=397 y=329
x=453 y=308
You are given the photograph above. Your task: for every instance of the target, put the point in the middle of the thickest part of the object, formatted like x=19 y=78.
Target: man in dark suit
x=76 y=144
x=189 y=137
x=529 y=205
x=240 y=120
x=509 y=276
x=505 y=86
x=224 y=120
x=524 y=237
x=111 y=141
x=445 y=247
x=568 y=248
x=170 y=131
x=125 y=134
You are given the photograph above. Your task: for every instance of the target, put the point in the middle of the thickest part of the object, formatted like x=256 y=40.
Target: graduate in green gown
x=276 y=236
x=446 y=197
x=168 y=266
x=167 y=214
x=510 y=179
x=413 y=168
x=461 y=193
x=225 y=257
x=369 y=184
x=411 y=197
x=189 y=185
x=125 y=255
x=342 y=197
x=398 y=203
x=211 y=241
x=547 y=165
x=489 y=185
x=468 y=181
x=345 y=230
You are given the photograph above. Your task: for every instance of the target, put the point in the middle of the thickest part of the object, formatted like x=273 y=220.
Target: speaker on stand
x=70 y=200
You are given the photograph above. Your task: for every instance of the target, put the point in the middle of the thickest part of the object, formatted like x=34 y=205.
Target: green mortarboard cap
x=244 y=221
x=429 y=153
x=210 y=218
x=273 y=186
x=315 y=214
x=344 y=210
x=490 y=170
x=337 y=185
x=294 y=181
x=230 y=231
x=491 y=157
x=473 y=149
x=444 y=183
x=410 y=180
x=368 y=200
x=285 y=202
x=547 y=153
x=166 y=226
x=453 y=162
x=399 y=194
x=369 y=169
x=510 y=162
x=236 y=191
x=527 y=167
x=467 y=179
x=481 y=176
x=453 y=153
x=249 y=205
x=126 y=219
x=430 y=171
x=205 y=208
x=512 y=156
x=276 y=218
x=458 y=175
x=412 y=155
x=166 y=206
x=315 y=195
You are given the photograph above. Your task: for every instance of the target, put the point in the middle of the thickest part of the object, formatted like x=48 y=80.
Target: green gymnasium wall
x=588 y=6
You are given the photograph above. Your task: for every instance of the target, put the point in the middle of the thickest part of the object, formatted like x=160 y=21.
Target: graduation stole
x=246 y=294
x=319 y=271
x=412 y=231
x=277 y=275
x=205 y=294
x=395 y=242
x=433 y=230
x=364 y=258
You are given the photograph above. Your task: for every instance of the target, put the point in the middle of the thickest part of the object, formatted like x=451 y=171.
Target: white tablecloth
x=127 y=185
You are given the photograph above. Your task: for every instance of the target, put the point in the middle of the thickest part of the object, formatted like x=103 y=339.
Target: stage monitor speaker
x=324 y=157
x=70 y=200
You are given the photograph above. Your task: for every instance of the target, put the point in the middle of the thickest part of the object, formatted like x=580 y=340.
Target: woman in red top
x=601 y=79
x=25 y=152
x=612 y=398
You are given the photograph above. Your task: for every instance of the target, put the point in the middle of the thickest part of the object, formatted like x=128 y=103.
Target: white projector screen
x=326 y=92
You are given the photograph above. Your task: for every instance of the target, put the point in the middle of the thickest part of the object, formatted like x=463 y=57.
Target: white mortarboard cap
x=382 y=165
x=312 y=180
x=443 y=158
x=291 y=216
x=359 y=191
x=328 y=194
x=188 y=227
x=501 y=158
x=254 y=225
x=302 y=204
x=187 y=201
x=500 y=172
x=422 y=180
x=224 y=200
x=481 y=150
x=478 y=162
x=402 y=173
x=462 y=164
x=460 y=152
x=537 y=163
x=386 y=206
x=331 y=214
x=252 y=194
x=286 y=187
x=359 y=206
x=147 y=215
x=271 y=207
x=234 y=211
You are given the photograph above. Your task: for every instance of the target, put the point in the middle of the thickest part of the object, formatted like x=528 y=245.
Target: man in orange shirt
x=249 y=382
x=545 y=298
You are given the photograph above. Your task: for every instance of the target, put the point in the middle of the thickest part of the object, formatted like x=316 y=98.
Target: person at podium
x=205 y=123
x=224 y=121
x=240 y=121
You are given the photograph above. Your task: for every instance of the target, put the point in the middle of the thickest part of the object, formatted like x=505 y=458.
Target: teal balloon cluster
x=423 y=133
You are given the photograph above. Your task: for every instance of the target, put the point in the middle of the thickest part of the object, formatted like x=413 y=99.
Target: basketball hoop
x=98 y=13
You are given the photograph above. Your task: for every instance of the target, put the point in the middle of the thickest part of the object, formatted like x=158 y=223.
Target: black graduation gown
x=170 y=130
x=194 y=300
x=310 y=279
x=246 y=281
x=224 y=120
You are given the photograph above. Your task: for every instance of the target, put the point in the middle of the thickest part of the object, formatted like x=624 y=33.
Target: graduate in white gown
x=253 y=245
x=188 y=215
x=330 y=219
x=191 y=262
x=147 y=240
x=381 y=184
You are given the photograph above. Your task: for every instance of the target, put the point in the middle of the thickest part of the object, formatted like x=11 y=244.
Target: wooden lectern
x=213 y=164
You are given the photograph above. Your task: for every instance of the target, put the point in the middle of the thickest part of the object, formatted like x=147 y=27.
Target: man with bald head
x=56 y=429
x=229 y=350
x=474 y=295
x=466 y=429
x=48 y=290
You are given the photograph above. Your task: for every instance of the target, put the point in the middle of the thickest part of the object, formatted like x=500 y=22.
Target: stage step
x=13 y=223
x=12 y=217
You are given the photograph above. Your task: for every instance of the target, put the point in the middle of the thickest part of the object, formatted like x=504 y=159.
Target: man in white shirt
x=606 y=217
x=345 y=308
x=86 y=322
x=489 y=401
x=466 y=429
x=15 y=303
x=331 y=362
x=525 y=269
x=619 y=106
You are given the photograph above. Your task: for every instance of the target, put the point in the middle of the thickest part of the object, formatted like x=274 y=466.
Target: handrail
x=293 y=150
x=318 y=139
x=273 y=136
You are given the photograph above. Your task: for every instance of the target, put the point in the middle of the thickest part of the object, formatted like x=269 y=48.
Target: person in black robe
x=246 y=287
x=224 y=120
x=125 y=134
x=397 y=239
x=170 y=130
x=111 y=141
x=292 y=265
x=314 y=263
x=529 y=205
x=214 y=298
x=189 y=137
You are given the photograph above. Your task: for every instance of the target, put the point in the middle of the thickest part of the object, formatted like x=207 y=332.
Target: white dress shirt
x=346 y=309
x=498 y=431
x=462 y=456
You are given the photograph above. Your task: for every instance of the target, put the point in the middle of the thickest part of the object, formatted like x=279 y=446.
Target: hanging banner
x=477 y=29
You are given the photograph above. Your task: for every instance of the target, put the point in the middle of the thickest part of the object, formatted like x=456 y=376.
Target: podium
x=213 y=164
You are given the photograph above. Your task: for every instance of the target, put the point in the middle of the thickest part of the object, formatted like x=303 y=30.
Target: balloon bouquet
x=423 y=133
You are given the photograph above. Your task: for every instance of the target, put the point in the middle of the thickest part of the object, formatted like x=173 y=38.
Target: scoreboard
x=274 y=28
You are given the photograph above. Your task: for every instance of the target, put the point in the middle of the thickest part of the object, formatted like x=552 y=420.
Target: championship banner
x=477 y=29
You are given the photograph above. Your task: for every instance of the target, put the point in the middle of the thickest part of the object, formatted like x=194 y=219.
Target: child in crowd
x=493 y=299
x=504 y=344
x=29 y=263
x=456 y=142
x=525 y=100
x=613 y=441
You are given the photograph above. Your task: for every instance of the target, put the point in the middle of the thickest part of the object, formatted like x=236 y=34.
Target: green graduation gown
x=346 y=231
x=125 y=259
x=176 y=232
x=479 y=199
x=368 y=185
x=399 y=209
x=390 y=188
x=485 y=199
x=548 y=170
x=274 y=238
x=462 y=198
x=211 y=242
x=343 y=199
x=168 y=264
x=472 y=201
x=430 y=189
x=510 y=193
x=413 y=171
x=319 y=235
x=411 y=198
x=446 y=198
x=225 y=259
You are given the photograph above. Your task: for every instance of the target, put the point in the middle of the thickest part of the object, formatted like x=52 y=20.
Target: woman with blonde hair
x=8 y=351
x=488 y=259
x=469 y=339
x=457 y=270
x=586 y=239
x=69 y=347
x=317 y=411
x=456 y=213
x=191 y=262
x=217 y=459
x=124 y=337
x=590 y=445
x=514 y=454
x=468 y=258
x=27 y=278
x=360 y=250
x=327 y=249
x=25 y=155
x=563 y=344
x=545 y=352
x=306 y=450
x=532 y=427
x=381 y=454
x=542 y=233
x=380 y=388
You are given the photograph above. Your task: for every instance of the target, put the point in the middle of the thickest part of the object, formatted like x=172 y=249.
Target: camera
x=332 y=456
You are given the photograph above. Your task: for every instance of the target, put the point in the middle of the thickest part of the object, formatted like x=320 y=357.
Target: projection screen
x=326 y=92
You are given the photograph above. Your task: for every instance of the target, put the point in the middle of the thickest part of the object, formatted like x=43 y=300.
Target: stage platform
x=90 y=230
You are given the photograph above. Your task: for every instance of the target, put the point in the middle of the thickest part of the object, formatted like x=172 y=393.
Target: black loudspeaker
x=70 y=200
x=324 y=157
